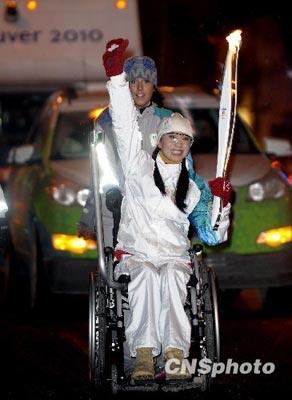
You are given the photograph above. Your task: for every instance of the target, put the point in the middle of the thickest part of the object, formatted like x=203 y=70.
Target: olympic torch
x=227 y=116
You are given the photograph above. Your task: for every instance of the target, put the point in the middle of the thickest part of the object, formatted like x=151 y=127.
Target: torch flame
x=234 y=40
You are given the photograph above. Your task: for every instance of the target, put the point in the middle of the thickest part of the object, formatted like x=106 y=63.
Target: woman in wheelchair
x=153 y=239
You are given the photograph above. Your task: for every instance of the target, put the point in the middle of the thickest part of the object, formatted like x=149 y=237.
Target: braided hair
x=182 y=186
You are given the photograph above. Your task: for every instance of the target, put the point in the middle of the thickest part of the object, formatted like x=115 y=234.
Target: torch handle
x=226 y=123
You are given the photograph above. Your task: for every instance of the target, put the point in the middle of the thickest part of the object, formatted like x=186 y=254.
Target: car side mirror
x=278 y=147
x=20 y=154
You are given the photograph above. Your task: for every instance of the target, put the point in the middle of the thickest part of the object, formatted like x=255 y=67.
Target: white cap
x=175 y=123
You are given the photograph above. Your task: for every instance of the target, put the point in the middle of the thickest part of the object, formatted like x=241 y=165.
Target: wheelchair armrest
x=113 y=199
x=196 y=251
x=192 y=281
x=124 y=278
x=197 y=248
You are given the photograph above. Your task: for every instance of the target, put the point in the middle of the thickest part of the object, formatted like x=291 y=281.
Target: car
x=17 y=113
x=49 y=187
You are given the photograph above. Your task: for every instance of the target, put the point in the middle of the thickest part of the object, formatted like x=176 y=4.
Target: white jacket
x=151 y=225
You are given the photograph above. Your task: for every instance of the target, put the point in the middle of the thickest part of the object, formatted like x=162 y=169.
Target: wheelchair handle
x=197 y=250
x=98 y=218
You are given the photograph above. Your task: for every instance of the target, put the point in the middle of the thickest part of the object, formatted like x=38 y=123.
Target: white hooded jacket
x=151 y=226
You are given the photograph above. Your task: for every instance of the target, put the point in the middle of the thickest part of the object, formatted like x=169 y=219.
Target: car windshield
x=71 y=139
x=72 y=133
x=17 y=113
x=206 y=140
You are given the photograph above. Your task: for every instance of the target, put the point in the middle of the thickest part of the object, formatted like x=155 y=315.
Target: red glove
x=113 y=57
x=221 y=187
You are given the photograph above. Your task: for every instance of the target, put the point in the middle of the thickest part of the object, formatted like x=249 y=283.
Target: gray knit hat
x=141 y=67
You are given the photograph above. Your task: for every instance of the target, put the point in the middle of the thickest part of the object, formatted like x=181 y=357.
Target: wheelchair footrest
x=174 y=386
x=150 y=386
x=166 y=386
x=179 y=385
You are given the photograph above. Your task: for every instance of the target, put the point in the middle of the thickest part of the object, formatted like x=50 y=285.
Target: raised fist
x=113 y=57
x=221 y=187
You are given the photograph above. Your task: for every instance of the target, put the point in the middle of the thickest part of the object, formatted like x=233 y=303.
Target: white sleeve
x=124 y=120
x=222 y=231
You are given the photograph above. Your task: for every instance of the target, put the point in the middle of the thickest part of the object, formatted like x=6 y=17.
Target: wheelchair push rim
x=213 y=287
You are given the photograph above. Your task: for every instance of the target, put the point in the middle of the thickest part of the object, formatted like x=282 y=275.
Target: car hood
x=74 y=170
x=242 y=170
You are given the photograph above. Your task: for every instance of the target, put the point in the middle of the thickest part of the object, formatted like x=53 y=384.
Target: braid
x=156 y=174
x=182 y=187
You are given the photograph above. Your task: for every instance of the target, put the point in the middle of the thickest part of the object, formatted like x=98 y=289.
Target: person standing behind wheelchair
x=141 y=73
x=153 y=239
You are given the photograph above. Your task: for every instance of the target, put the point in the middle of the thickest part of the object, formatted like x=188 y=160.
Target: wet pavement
x=46 y=356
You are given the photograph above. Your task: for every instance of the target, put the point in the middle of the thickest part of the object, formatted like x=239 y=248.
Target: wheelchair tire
x=211 y=301
x=211 y=318
x=97 y=331
x=114 y=380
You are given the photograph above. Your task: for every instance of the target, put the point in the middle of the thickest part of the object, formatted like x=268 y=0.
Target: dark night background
x=187 y=39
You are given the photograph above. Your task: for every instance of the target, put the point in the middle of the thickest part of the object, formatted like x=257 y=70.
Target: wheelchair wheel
x=211 y=314
x=97 y=331
x=211 y=349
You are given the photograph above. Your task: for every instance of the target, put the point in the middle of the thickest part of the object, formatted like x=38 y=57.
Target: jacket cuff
x=118 y=80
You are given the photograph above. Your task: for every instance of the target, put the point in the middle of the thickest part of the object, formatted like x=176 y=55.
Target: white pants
x=156 y=298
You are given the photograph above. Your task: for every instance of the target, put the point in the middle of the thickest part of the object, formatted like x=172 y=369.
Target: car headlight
x=81 y=196
x=67 y=196
x=269 y=187
x=63 y=195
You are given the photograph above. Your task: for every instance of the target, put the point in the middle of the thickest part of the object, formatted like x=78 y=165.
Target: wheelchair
x=110 y=364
